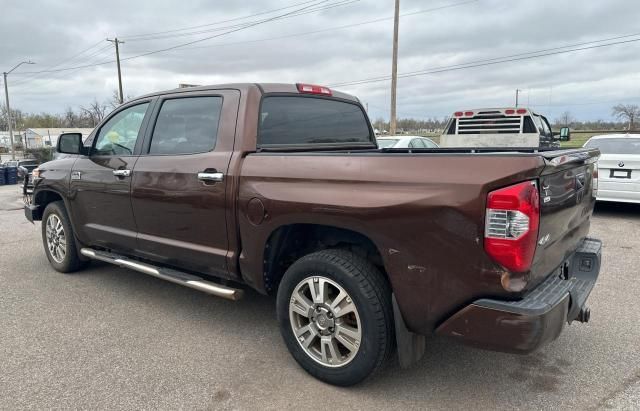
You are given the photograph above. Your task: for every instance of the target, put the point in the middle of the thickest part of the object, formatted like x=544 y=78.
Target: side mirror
x=565 y=134
x=69 y=143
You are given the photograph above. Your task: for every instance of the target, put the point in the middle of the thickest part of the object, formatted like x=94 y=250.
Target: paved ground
x=109 y=338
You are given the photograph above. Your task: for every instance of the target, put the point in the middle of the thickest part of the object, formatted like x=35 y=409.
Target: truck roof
x=244 y=87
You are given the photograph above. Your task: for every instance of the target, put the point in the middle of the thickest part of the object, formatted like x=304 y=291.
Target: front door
x=100 y=185
x=180 y=181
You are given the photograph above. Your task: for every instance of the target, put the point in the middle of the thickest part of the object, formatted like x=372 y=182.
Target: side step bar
x=167 y=274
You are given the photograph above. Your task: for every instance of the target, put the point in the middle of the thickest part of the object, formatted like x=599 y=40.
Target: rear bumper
x=618 y=196
x=525 y=325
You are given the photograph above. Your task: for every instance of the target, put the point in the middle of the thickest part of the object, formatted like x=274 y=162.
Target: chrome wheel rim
x=56 y=238
x=325 y=321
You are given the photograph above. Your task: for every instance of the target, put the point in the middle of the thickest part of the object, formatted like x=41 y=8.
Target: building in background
x=5 y=141
x=48 y=137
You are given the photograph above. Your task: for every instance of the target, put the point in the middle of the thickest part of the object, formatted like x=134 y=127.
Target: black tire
x=371 y=295
x=71 y=261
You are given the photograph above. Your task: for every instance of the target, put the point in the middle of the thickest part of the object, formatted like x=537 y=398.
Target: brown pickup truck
x=281 y=188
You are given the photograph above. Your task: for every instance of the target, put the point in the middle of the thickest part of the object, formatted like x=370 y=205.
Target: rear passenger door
x=180 y=181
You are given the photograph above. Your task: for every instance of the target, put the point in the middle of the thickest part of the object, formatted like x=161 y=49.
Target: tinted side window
x=538 y=124
x=309 y=120
x=418 y=143
x=119 y=134
x=186 y=126
x=546 y=127
x=528 y=126
x=428 y=143
x=451 y=127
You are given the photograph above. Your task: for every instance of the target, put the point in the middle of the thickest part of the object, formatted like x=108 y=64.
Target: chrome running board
x=174 y=276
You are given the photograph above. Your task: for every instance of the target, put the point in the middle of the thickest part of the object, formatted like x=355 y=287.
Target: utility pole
x=394 y=70
x=6 y=96
x=117 y=42
x=517 y=92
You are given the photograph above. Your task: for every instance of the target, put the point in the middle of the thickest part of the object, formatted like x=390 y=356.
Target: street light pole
x=394 y=70
x=6 y=96
x=117 y=42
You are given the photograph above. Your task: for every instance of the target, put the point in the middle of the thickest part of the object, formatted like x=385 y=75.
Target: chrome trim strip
x=199 y=284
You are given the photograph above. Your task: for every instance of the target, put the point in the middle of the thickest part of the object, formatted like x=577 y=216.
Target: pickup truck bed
x=293 y=198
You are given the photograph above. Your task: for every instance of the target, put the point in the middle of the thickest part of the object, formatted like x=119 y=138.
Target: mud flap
x=411 y=346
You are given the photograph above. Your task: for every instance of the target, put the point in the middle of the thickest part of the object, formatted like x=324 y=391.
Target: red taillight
x=468 y=113
x=509 y=111
x=521 y=111
x=458 y=114
x=511 y=227
x=313 y=89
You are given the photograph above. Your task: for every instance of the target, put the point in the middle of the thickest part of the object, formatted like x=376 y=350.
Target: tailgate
x=566 y=205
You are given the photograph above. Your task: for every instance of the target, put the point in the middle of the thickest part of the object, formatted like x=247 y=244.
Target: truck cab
x=498 y=127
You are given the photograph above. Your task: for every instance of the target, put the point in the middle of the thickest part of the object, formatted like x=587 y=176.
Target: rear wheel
x=335 y=316
x=58 y=239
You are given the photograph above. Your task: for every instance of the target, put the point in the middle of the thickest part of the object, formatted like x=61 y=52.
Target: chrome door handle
x=122 y=173
x=210 y=176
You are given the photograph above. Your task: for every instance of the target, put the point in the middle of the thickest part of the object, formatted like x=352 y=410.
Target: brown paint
x=424 y=213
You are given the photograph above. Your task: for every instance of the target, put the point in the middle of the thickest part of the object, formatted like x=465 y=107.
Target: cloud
x=587 y=83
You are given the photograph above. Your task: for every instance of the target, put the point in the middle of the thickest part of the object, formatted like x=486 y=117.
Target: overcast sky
x=586 y=83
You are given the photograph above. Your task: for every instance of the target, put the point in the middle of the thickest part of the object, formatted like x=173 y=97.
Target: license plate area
x=619 y=173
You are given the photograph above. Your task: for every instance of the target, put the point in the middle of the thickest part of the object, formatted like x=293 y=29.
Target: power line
x=590 y=103
x=340 y=3
x=169 y=48
x=61 y=62
x=334 y=28
x=422 y=11
x=516 y=55
x=478 y=63
x=54 y=76
x=132 y=36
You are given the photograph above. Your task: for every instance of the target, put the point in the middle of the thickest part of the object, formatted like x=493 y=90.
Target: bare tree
x=565 y=119
x=70 y=118
x=114 y=101
x=96 y=111
x=626 y=112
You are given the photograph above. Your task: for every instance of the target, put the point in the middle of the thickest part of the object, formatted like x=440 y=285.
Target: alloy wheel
x=56 y=238
x=325 y=321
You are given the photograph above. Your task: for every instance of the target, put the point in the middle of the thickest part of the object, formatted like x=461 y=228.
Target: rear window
x=615 y=145
x=286 y=120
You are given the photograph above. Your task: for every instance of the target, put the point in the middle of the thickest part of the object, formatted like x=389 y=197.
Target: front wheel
x=335 y=315
x=58 y=239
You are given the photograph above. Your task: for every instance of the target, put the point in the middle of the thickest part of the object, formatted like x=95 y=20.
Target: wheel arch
x=287 y=243
x=42 y=198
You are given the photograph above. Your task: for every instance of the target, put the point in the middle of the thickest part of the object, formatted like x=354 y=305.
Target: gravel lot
x=109 y=338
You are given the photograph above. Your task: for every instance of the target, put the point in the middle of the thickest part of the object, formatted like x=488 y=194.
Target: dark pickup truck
x=281 y=188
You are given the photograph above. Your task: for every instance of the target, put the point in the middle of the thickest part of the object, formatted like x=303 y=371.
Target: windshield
x=387 y=142
x=615 y=145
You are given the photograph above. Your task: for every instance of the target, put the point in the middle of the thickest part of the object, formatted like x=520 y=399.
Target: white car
x=618 y=167
x=406 y=142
